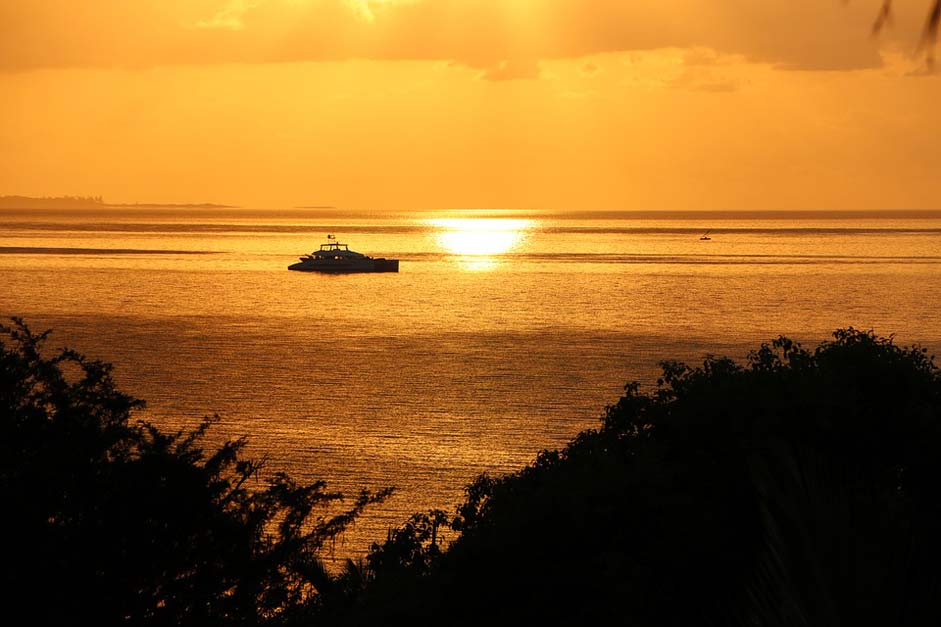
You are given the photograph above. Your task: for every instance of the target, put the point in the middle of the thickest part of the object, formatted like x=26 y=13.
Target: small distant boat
x=335 y=257
x=705 y=236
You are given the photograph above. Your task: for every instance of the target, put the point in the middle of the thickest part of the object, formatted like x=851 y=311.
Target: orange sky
x=554 y=104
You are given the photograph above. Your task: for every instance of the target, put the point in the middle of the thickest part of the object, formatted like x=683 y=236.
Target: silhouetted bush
x=109 y=522
x=803 y=488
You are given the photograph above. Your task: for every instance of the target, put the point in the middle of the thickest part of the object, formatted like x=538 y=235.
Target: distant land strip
x=164 y=205
x=39 y=250
x=95 y=202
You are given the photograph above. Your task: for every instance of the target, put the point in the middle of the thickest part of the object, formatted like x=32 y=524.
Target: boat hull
x=373 y=265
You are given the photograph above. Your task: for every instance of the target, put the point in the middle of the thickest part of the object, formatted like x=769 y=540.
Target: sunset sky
x=419 y=104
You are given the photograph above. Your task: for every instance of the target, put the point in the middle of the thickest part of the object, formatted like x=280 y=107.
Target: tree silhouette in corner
x=801 y=488
x=929 y=36
x=108 y=521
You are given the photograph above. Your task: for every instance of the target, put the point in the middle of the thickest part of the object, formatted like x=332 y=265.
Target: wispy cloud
x=511 y=70
x=589 y=69
x=230 y=17
x=790 y=34
x=363 y=8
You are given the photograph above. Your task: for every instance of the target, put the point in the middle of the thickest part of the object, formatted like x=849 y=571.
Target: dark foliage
x=803 y=488
x=391 y=574
x=108 y=522
x=929 y=36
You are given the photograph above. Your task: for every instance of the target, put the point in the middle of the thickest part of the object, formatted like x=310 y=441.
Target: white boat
x=338 y=258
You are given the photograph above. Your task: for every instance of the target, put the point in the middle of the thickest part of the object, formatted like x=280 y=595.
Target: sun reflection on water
x=480 y=240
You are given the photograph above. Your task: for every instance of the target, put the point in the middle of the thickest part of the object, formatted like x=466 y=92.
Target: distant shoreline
x=95 y=202
x=157 y=205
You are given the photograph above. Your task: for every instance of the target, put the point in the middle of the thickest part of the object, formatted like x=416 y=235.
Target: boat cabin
x=336 y=250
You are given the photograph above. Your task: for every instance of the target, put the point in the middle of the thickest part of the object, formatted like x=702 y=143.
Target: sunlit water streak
x=499 y=337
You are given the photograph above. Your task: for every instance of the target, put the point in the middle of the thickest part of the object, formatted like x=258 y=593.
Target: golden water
x=504 y=333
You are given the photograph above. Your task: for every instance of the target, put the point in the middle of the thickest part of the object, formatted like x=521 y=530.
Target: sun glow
x=480 y=237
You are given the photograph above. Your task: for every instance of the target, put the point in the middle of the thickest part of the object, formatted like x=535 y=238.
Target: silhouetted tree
x=390 y=574
x=415 y=546
x=110 y=522
x=803 y=488
x=929 y=35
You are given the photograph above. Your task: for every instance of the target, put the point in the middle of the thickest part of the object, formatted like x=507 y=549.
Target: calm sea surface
x=504 y=333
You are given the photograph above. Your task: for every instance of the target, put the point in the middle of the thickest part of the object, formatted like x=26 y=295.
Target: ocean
x=504 y=333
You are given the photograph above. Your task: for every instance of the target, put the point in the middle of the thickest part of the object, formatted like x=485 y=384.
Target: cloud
x=503 y=38
x=363 y=8
x=512 y=70
x=229 y=17
x=701 y=57
x=589 y=69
